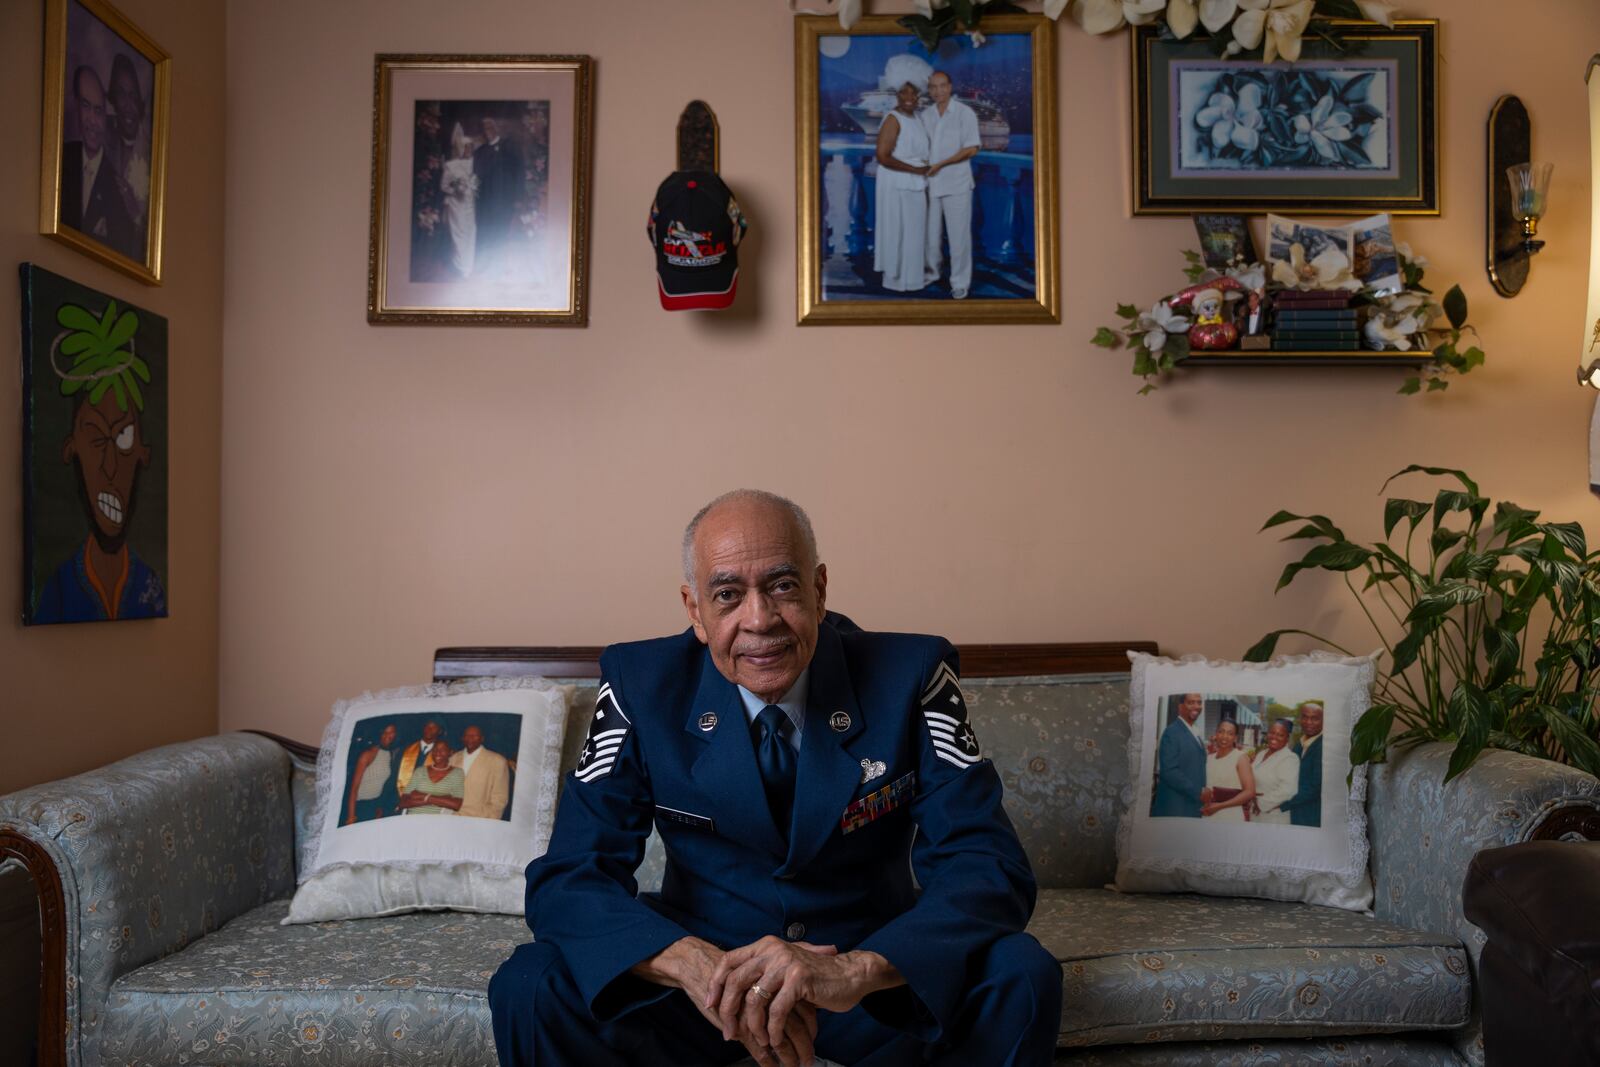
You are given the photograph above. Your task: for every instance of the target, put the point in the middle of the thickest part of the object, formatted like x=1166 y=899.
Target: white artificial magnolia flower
x=1407 y=255
x=1330 y=270
x=1103 y=16
x=1054 y=8
x=1238 y=121
x=1325 y=125
x=1391 y=331
x=1377 y=11
x=1158 y=322
x=1281 y=22
x=1182 y=17
x=849 y=13
x=1253 y=276
x=1215 y=14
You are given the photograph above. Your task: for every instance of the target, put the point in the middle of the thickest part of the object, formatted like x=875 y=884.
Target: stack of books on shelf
x=1320 y=320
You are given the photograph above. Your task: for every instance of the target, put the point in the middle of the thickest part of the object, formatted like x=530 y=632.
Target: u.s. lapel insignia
x=708 y=721
x=840 y=721
x=871 y=769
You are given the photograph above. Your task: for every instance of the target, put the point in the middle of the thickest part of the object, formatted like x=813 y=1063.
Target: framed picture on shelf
x=480 y=189
x=1224 y=240
x=1340 y=133
x=926 y=179
x=104 y=160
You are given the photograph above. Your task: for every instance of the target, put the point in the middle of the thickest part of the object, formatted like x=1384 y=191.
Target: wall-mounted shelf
x=1267 y=357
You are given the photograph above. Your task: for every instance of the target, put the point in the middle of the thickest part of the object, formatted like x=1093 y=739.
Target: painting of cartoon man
x=95 y=455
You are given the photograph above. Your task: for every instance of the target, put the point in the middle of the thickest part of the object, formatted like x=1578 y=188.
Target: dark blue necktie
x=775 y=757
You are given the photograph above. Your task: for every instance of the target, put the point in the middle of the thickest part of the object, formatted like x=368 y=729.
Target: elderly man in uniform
x=799 y=770
x=953 y=131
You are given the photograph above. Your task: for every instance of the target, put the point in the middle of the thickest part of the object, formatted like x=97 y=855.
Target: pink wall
x=85 y=695
x=387 y=490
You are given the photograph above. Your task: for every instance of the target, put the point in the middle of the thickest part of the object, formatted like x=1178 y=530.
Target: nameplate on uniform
x=876 y=805
x=684 y=818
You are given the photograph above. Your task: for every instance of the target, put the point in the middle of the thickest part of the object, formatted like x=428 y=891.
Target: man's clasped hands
x=766 y=994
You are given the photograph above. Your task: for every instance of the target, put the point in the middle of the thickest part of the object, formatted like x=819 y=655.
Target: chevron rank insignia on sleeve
x=607 y=730
x=945 y=711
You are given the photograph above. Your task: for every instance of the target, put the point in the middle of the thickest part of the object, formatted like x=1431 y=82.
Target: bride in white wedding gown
x=460 y=188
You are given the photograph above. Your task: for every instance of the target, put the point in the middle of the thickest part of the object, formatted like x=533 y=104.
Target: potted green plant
x=1489 y=619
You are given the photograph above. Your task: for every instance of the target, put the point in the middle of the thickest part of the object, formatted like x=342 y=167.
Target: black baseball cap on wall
x=695 y=228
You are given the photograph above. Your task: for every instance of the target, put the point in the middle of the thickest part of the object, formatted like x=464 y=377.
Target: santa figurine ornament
x=1213 y=328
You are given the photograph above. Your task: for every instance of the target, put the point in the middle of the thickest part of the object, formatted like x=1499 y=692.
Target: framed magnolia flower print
x=1346 y=132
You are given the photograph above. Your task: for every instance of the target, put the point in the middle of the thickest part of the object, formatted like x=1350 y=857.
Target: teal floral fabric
x=1060 y=745
x=407 y=989
x=154 y=852
x=1170 y=967
x=1424 y=833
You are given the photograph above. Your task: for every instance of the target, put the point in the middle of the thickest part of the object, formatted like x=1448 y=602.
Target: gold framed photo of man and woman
x=925 y=178
x=103 y=158
x=480 y=189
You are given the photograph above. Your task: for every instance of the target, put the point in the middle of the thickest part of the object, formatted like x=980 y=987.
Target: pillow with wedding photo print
x=433 y=797
x=1238 y=775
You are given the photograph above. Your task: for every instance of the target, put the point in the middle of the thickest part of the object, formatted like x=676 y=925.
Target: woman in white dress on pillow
x=1277 y=773
x=460 y=188
x=1230 y=783
x=902 y=195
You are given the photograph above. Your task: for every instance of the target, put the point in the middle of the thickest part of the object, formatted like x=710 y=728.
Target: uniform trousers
x=1011 y=1018
x=951 y=213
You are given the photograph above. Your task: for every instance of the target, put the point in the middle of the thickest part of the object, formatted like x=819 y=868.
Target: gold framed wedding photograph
x=480 y=189
x=103 y=161
x=926 y=178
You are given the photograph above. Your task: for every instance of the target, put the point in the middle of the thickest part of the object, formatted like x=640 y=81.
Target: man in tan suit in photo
x=488 y=774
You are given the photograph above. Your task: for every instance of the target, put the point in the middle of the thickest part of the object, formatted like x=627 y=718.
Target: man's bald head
x=756 y=498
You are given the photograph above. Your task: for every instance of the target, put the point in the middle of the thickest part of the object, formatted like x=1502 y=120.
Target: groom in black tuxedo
x=1305 y=807
x=498 y=166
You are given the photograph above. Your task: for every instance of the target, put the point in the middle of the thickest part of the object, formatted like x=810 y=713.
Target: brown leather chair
x=1539 y=976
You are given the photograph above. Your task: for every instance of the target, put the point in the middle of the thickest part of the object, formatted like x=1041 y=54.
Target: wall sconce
x=1518 y=193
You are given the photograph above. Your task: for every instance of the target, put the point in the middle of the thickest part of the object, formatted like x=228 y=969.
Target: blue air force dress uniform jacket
x=888 y=768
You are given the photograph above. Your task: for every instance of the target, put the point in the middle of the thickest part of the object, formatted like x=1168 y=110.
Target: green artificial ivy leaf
x=1412 y=385
x=1472 y=357
x=1436 y=384
x=1147 y=389
x=1105 y=337
x=1127 y=311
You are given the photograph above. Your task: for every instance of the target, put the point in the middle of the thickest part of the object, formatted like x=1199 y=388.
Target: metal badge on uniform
x=684 y=818
x=708 y=721
x=840 y=721
x=871 y=769
x=894 y=795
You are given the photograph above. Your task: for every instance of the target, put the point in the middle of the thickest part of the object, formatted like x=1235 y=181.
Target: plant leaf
x=1409 y=647
x=1440 y=599
x=1470 y=716
x=1370 y=737
x=1460 y=476
x=1395 y=508
x=1105 y=337
x=1580 y=748
x=1568 y=533
x=1412 y=385
x=1127 y=311
x=1455 y=307
x=1262 y=650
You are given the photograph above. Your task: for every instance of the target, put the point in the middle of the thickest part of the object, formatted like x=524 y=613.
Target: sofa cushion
x=391 y=990
x=1141 y=968
x=1421 y=1051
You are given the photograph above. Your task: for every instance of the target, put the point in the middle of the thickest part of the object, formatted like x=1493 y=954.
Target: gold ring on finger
x=762 y=993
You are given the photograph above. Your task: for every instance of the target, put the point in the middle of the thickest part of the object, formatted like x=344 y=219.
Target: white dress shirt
x=793 y=705
x=949 y=133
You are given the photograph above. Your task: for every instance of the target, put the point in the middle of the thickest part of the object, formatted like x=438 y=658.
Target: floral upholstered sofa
x=162 y=880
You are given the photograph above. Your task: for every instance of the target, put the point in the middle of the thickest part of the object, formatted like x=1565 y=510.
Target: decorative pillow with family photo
x=433 y=797
x=1239 y=773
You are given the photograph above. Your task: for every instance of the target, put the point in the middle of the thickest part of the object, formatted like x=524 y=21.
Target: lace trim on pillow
x=549 y=786
x=1354 y=870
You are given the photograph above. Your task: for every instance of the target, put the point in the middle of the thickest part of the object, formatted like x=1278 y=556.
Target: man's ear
x=822 y=589
x=692 y=607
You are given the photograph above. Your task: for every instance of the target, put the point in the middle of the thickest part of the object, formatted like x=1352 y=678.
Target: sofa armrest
x=1538 y=904
x=1424 y=833
x=134 y=860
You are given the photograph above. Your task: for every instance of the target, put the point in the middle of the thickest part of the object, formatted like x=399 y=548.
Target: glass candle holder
x=1530 y=188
